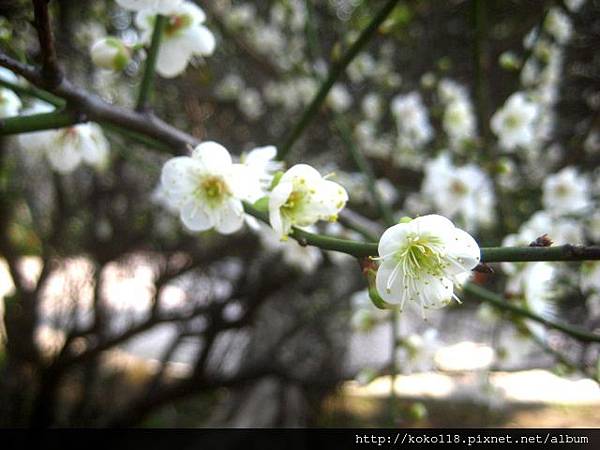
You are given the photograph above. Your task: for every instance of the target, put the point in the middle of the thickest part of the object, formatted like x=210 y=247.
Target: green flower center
x=512 y=121
x=213 y=190
x=293 y=203
x=421 y=254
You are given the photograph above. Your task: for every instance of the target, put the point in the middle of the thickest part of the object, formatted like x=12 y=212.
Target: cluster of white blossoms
x=184 y=36
x=412 y=121
x=422 y=259
x=459 y=118
x=514 y=123
x=462 y=193
x=10 y=103
x=208 y=188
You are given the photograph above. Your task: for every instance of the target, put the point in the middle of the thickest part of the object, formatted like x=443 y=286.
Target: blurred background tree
x=243 y=330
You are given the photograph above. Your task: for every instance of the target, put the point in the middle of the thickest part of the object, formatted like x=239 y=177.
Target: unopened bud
x=510 y=61
x=110 y=53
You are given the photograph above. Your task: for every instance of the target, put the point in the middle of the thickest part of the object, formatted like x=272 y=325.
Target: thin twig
x=336 y=71
x=50 y=68
x=150 y=66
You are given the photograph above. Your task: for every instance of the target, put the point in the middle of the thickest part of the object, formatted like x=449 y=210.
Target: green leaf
x=262 y=204
x=276 y=179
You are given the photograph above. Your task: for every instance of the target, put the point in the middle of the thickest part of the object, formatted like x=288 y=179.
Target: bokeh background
x=121 y=317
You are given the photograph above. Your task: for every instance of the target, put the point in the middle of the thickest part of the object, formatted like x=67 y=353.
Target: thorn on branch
x=483 y=268
x=541 y=241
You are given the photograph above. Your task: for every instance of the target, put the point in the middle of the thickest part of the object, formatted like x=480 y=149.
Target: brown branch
x=92 y=107
x=50 y=68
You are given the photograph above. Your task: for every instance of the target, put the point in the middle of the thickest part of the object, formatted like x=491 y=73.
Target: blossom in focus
x=422 y=259
x=566 y=192
x=110 y=53
x=183 y=37
x=10 y=103
x=205 y=189
x=412 y=122
x=154 y=6
x=302 y=197
x=514 y=123
x=459 y=192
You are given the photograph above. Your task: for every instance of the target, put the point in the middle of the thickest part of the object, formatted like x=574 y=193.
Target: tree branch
x=50 y=70
x=97 y=110
x=495 y=300
x=336 y=71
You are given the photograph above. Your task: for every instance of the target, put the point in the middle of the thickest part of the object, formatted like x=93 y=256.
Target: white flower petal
x=231 y=217
x=194 y=217
x=199 y=40
x=173 y=57
x=179 y=177
x=215 y=158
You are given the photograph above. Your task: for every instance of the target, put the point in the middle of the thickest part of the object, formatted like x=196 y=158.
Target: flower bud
x=110 y=53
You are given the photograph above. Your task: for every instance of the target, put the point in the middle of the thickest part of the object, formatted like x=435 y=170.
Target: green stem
x=523 y=254
x=488 y=254
x=363 y=166
x=495 y=300
x=336 y=71
x=37 y=122
x=149 y=69
x=32 y=91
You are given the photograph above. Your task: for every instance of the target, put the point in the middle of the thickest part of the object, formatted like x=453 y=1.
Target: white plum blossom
x=8 y=75
x=514 y=123
x=230 y=87
x=414 y=129
x=534 y=283
x=339 y=99
x=184 y=36
x=250 y=103
x=459 y=121
x=153 y=6
x=559 y=25
x=459 y=192
x=35 y=142
x=110 y=53
x=372 y=106
x=10 y=103
x=81 y=143
x=449 y=91
x=417 y=350
x=560 y=230
x=364 y=315
x=567 y=191
x=302 y=197
x=67 y=148
x=206 y=189
x=422 y=259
